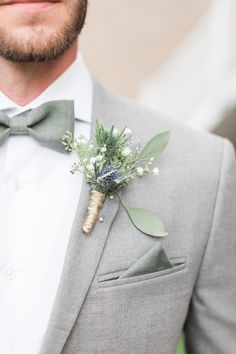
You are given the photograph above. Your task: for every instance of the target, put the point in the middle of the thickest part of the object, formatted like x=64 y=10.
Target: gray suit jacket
x=95 y=312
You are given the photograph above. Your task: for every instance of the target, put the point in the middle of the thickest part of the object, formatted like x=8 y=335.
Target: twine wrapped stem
x=95 y=205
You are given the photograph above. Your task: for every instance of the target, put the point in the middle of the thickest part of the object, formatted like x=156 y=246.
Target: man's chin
x=37 y=38
x=37 y=46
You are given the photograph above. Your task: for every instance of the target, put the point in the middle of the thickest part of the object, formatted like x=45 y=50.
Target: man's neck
x=23 y=82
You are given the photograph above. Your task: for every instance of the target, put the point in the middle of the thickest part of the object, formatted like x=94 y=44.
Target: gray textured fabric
x=96 y=311
x=46 y=123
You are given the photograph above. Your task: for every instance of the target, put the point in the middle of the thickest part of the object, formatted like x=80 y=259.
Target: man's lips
x=30 y=6
x=11 y=2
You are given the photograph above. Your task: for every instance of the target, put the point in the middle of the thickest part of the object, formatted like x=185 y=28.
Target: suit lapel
x=82 y=256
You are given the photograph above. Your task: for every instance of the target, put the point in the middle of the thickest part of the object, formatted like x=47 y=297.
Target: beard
x=40 y=44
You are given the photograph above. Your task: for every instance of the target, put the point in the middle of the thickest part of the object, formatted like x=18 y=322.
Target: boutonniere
x=110 y=162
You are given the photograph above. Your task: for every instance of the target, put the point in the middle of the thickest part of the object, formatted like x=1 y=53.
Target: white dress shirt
x=38 y=199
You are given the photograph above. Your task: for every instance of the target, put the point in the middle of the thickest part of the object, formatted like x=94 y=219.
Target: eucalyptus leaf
x=155 y=146
x=147 y=222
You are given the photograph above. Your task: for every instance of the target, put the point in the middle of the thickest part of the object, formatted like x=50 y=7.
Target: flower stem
x=95 y=204
x=122 y=202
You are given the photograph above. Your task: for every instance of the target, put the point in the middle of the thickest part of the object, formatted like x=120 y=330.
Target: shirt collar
x=74 y=84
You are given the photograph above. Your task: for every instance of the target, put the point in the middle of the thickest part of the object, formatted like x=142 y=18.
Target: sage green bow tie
x=46 y=123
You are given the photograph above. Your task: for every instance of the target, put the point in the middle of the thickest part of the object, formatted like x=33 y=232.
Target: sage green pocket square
x=153 y=260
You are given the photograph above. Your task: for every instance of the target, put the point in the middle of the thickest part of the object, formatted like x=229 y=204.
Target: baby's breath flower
x=103 y=149
x=127 y=131
x=99 y=158
x=81 y=141
x=126 y=151
x=90 y=167
x=93 y=160
x=140 y=171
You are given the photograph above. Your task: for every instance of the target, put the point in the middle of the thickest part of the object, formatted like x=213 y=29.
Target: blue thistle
x=108 y=177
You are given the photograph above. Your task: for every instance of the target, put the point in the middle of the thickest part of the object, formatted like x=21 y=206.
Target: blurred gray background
x=175 y=56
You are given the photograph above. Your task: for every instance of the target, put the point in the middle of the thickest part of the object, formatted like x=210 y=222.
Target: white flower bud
x=81 y=141
x=93 y=159
x=127 y=131
x=103 y=149
x=126 y=151
x=99 y=158
x=90 y=167
x=140 y=171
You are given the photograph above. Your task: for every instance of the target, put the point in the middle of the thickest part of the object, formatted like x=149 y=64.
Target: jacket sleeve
x=211 y=323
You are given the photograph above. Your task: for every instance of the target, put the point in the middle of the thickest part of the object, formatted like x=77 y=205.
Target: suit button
x=16 y=184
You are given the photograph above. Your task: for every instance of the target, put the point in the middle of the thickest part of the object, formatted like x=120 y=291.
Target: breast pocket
x=112 y=279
